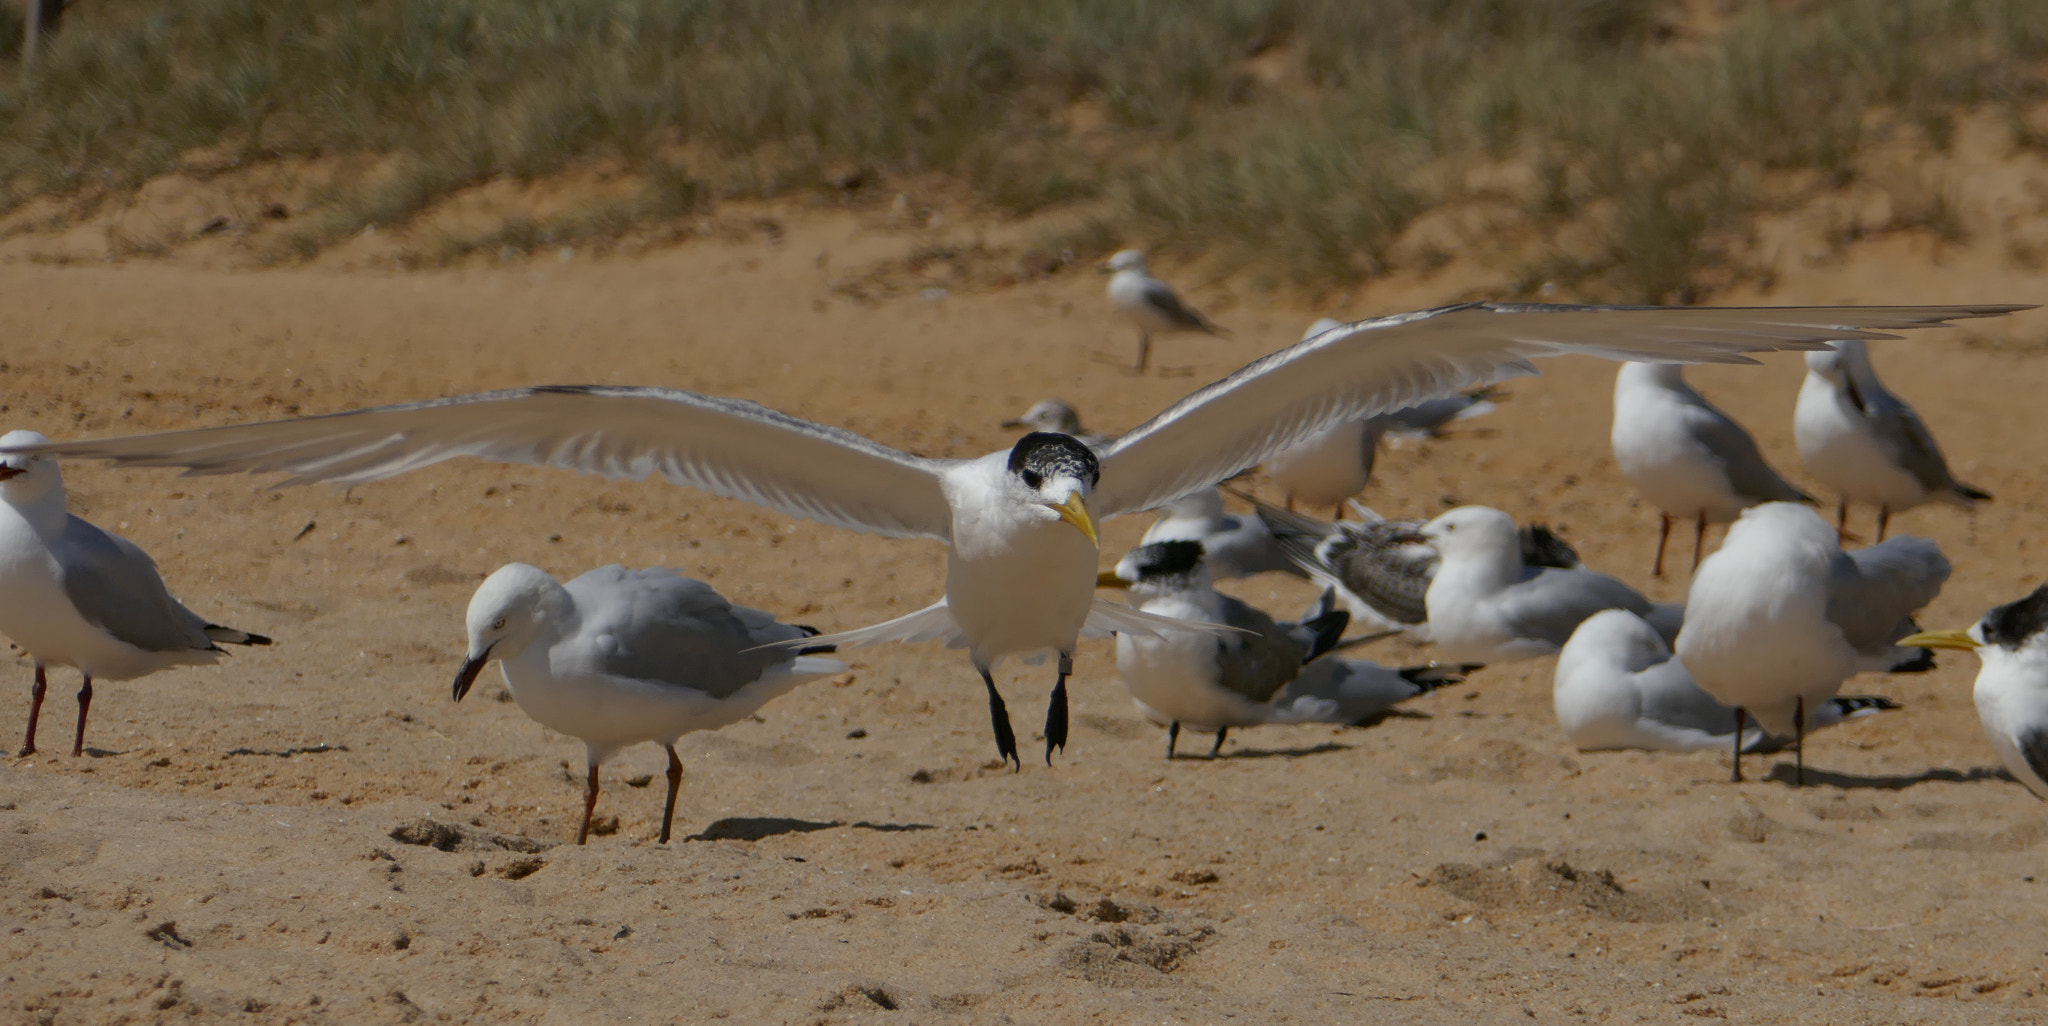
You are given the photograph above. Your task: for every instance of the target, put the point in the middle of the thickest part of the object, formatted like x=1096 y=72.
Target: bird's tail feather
x=1429 y=678
x=215 y=632
x=1862 y=705
x=1326 y=622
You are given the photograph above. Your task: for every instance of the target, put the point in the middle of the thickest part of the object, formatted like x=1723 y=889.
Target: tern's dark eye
x=1032 y=478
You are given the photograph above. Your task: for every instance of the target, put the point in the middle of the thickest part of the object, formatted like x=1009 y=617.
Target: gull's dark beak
x=466 y=676
x=7 y=471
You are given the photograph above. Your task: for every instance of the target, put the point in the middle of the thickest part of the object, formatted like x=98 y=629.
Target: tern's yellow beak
x=1940 y=639
x=1109 y=579
x=1075 y=512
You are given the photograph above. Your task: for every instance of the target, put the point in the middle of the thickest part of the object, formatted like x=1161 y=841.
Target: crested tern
x=2011 y=691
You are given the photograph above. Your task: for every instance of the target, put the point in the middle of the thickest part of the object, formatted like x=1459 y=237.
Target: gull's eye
x=498 y=624
x=1032 y=478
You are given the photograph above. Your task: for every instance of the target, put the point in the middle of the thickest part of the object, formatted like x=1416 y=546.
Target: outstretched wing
x=1375 y=366
x=728 y=447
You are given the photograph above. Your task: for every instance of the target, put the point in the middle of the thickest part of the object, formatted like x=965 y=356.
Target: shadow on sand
x=1782 y=774
x=754 y=828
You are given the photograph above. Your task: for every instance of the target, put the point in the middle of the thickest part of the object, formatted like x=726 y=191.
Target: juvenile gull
x=1779 y=617
x=1617 y=685
x=1232 y=545
x=1381 y=568
x=616 y=657
x=74 y=595
x=1213 y=682
x=2012 y=686
x=1149 y=303
x=1683 y=454
x=1865 y=444
x=1019 y=523
x=1486 y=605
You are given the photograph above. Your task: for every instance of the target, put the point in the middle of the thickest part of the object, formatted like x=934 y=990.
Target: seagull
x=1687 y=457
x=1865 y=443
x=1232 y=545
x=1055 y=415
x=1486 y=605
x=1618 y=686
x=74 y=595
x=1253 y=675
x=616 y=657
x=2012 y=686
x=1780 y=616
x=1151 y=304
x=1381 y=568
x=1019 y=523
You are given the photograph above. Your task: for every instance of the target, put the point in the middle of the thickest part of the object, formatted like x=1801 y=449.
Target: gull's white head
x=1126 y=260
x=507 y=612
x=1053 y=475
x=1161 y=568
x=27 y=477
x=1473 y=531
x=1321 y=325
x=1049 y=415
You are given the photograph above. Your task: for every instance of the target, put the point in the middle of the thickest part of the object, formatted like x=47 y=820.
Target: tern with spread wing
x=1019 y=523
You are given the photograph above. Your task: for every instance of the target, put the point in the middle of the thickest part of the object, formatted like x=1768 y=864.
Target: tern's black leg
x=1172 y=736
x=1056 y=711
x=999 y=719
x=1884 y=518
x=84 y=703
x=1699 y=540
x=1740 y=714
x=35 y=709
x=1799 y=741
x=589 y=804
x=1663 y=535
x=1218 y=746
x=675 y=781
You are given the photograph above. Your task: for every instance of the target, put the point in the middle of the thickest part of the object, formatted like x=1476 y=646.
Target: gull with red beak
x=617 y=657
x=1020 y=523
x=74 y=595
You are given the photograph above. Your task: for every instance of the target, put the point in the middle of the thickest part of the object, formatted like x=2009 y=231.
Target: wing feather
x=728 y=447
x=1377 y=366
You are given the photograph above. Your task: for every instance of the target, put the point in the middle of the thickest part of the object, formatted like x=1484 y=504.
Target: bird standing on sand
x=1019 y=524
x=1691 y=461
x=1487 y=606
x=1780 y=616
x=74 y=595
x=1617 y=685
x=1865 y=444
x=1151 y=304
x=616 y=657
x=1261 y=672
x=2012 y=687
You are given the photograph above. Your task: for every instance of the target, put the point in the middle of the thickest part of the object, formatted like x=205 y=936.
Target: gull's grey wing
x=1376 y=366
x=1260 y=661
x=114 y=584
x=657 y=625
x=1161 y=297
x=1550 y=603
x=1748 y=472
x=1900 y=430
x=1671 y=697
x=1873 y=592
x=728 y=447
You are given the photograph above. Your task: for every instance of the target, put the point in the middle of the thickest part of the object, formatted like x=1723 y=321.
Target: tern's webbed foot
x=999 y=719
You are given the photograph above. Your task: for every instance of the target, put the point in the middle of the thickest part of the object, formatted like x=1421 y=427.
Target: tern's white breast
x=1020 y=580
x=2012 y=701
